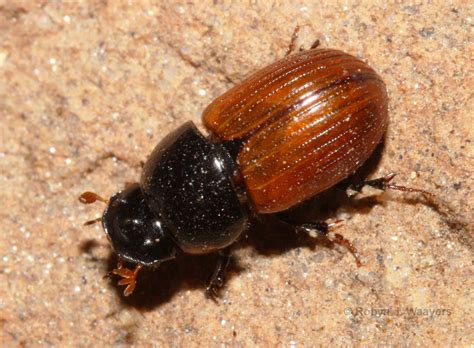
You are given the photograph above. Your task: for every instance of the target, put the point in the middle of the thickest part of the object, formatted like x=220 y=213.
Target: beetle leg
x=315 y=45
x=339 y=239
x=294 y=37
x=129 y=277
x=217 y=278
x=323 y=229
x=383 y=184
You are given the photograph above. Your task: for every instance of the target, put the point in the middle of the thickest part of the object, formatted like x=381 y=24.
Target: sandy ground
x=87 y=90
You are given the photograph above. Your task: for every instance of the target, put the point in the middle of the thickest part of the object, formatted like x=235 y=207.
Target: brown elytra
x=305 y=122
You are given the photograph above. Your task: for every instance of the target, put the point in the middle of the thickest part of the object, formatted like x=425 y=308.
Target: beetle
x=286 y=133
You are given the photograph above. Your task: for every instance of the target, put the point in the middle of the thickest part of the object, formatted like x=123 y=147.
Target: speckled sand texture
x=88 y=88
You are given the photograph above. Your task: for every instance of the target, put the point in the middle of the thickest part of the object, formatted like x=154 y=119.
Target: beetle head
x=136 y=234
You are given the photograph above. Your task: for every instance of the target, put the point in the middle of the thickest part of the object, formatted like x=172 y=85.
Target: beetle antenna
x=91 y=197
x=91 y=222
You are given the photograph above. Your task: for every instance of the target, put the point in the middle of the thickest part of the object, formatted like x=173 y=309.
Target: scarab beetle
x=286 y=133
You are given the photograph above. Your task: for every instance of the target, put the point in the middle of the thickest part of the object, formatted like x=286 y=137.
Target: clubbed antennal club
x=89 y=198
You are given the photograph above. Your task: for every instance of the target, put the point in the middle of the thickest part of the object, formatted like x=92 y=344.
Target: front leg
x=218 y=276
x=129 y=276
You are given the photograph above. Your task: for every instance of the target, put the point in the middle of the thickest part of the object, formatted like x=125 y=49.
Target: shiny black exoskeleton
x=186 y=200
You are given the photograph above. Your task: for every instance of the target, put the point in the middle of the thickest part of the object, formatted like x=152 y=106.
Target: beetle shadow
x=156 y=286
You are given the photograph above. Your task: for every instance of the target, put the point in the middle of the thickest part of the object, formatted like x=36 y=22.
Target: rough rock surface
x=89 y=87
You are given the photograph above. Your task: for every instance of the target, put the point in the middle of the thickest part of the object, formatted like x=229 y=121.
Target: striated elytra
x=286 y=133
x=305 y=123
